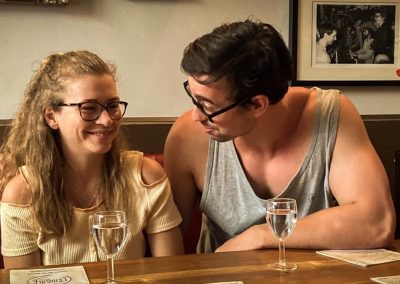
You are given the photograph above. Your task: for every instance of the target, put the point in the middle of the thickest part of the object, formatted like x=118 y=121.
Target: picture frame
x=309 y=18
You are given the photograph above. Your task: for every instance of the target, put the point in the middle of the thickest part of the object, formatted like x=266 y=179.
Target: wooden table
x=249 y=267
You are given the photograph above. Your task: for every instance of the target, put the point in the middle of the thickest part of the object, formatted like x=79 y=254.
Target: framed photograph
x=338 y=43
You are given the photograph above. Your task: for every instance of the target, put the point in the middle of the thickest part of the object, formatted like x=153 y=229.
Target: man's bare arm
x=183 y=152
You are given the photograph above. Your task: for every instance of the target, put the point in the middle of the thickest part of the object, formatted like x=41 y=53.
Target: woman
x=62 y=162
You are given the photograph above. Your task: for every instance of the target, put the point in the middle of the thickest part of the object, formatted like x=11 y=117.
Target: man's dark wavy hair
x=250 y=54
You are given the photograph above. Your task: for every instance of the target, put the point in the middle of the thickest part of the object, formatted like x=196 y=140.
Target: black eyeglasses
x=201 y=107
x=91 y=110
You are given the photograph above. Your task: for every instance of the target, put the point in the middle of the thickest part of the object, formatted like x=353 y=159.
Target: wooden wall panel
x=148 y=136
x=384 y=132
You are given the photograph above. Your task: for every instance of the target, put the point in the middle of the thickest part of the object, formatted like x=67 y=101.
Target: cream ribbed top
x=153 y=211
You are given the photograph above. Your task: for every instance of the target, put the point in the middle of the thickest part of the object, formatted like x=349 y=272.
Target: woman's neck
x=83 y=182
x=84 y=165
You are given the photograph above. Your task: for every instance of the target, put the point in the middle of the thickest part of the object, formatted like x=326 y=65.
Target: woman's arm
x=166 y=243
x=16 y=192
x=32 y=259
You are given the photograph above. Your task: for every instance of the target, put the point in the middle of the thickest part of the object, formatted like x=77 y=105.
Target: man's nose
x=197 y=115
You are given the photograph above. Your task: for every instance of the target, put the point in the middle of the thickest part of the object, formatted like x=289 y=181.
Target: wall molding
x=380 y=117
x=125 y=120
x=148 y=120
x=171 y=120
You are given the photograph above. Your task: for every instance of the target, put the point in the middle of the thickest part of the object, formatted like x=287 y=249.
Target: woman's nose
x=104 y=118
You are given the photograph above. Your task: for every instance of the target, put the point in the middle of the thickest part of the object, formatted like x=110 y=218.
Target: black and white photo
x=345 y=42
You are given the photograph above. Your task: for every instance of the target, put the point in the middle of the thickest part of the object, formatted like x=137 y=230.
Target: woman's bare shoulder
x=152 y=171
x=16 y=191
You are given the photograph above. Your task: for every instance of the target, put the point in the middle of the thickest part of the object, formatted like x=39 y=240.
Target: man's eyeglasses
x=201 y=107
x=91 y=110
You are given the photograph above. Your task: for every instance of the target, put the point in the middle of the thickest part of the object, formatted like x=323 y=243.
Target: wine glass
x=282 y=218
x=109 y=233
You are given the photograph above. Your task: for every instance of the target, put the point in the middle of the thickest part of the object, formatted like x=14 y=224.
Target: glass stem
x=282 y=258
x=110 y=268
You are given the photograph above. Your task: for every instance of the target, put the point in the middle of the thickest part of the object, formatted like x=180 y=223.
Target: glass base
x=111 y=282
x=282 y=266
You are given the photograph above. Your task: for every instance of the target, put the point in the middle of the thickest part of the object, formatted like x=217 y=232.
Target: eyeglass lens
x=91 y=111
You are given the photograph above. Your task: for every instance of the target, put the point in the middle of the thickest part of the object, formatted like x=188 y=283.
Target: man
x=384 y=39
x=366 y=53
x=250 y=138
x=327 y=35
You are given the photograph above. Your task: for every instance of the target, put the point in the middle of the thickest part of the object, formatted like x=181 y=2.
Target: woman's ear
x=50 y=118
x=260 y=104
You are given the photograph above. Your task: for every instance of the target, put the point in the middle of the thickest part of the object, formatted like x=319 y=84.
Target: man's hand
x=253 y=238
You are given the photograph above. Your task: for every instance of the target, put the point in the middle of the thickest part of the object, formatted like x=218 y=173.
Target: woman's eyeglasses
x=92 y=110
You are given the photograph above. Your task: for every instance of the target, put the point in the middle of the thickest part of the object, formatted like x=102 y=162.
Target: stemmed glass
x=109 y=233
x=282 y=218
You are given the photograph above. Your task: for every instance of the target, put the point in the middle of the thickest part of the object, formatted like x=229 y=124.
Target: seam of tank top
x=209 y=166
x=315 y=136
x=331 y=141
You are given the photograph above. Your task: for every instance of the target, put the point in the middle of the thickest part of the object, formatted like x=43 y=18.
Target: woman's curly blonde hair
x=32 y=143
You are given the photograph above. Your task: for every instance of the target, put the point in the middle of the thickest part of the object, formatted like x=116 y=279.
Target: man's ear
x=50 y=118
x=259 y=103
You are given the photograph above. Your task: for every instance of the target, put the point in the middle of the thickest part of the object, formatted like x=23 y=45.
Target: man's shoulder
x=186 y=137
x=183 y=121
x=300 y=96
x=184 y=128
x=186 y=147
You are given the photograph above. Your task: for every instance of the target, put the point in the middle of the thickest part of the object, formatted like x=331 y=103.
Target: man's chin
x=215 y=134
x=220 y=139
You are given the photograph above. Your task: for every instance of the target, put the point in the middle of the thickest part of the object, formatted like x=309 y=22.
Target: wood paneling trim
x=170 y=120
x=381 y=117
x=5 y=122
x=148 y=120
x=125 y=120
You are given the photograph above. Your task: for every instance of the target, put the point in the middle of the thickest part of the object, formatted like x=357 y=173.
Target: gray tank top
x=230 y=205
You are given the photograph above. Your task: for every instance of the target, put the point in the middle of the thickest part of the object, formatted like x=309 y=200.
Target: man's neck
x=268 y=132
x=275 y=129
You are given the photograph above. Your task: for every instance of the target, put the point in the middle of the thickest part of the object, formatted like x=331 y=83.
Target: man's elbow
x=384 y=231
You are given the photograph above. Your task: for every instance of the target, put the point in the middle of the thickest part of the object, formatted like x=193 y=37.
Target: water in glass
x=109 y=233
x=282 y=218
